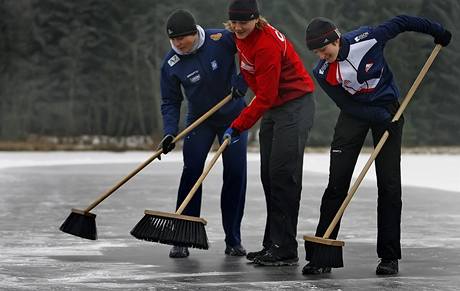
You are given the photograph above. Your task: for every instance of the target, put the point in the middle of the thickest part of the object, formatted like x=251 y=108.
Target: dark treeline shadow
x=91 y=67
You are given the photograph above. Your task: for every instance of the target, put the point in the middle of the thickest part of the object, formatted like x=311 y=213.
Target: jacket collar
x=344 y=49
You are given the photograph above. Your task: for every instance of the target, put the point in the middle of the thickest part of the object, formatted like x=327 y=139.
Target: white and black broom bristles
x=81 y=224
x=171 y=231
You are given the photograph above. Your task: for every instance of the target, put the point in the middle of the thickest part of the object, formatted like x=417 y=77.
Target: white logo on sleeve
x=361 y=36
x=173 y=60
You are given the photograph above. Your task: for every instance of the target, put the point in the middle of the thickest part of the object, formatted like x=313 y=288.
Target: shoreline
x=124 y=146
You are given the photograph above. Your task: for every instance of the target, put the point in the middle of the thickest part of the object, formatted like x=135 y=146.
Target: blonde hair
x=260 y=24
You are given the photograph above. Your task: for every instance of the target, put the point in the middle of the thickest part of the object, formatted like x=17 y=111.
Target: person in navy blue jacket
x=201 y=66
x=353 y=72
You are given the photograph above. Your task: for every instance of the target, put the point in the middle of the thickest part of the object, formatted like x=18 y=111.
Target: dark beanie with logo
x=243 y=10
x=180 y=23
x=321 y=32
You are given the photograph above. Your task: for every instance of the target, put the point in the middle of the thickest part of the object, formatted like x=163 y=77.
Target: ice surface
x=38 y=189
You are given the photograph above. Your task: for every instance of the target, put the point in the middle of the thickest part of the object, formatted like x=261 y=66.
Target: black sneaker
x=178 y=252
x=252 y=255
x=308 y=269
x=236 y=251
x=387 y=267
x=273 y=257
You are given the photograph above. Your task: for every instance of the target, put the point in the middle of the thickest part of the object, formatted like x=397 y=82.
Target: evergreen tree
x=71 y=68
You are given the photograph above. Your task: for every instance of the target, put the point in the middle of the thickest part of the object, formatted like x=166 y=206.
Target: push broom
x=327 y=252
x=174 y=228
x=82 y=223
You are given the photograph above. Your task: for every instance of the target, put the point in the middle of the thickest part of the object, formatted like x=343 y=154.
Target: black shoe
x=252 y=255
x=387 y=267
x=308 y=269
x=178 y=252
x=274 y=257
x=236 y=251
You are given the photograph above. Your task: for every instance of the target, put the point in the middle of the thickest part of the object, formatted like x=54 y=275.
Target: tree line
x=91 y=67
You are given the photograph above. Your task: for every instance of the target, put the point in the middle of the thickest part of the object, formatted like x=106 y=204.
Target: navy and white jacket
x=206 y=77
x=360 y=81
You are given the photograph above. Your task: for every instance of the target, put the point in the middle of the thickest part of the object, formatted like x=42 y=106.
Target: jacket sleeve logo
x=173 y=60
x=361 y=36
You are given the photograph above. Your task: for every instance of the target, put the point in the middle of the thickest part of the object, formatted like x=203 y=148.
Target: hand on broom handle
x=159 y=152
x=202 y=177
x=382 y=141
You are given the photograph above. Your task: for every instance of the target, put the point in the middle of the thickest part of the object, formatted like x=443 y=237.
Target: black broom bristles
x=171 y=231
x=81 y=224
x=309 y=246
x=323 y=256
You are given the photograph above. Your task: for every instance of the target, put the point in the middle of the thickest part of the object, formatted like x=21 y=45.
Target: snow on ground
x=436 y=171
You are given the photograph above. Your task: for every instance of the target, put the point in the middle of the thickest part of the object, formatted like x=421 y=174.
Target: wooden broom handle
x=382 y=141
x=201 y=178
x=159 y=152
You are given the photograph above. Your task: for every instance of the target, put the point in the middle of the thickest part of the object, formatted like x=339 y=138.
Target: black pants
x=283 y=135
x=349 y=137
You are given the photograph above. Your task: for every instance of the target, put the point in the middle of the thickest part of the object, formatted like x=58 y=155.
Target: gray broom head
x=81 y=224
x=323 y=253
x=172 y=229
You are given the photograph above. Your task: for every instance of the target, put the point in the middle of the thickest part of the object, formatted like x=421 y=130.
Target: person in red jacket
x=283 y=88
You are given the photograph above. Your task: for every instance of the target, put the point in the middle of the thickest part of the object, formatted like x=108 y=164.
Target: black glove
x=237 y=94
x=392 y=126
x=444 y=38
x=166 y=144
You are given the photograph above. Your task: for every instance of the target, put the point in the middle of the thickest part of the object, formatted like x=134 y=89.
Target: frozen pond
x=37 y=191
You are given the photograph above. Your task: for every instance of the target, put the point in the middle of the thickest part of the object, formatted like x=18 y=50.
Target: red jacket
x=273 y=71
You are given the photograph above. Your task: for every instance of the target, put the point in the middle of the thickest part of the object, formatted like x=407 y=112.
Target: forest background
x=85 y=74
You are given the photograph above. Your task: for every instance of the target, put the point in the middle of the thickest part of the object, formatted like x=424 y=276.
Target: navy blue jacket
x=360 y=82
x=206 y=77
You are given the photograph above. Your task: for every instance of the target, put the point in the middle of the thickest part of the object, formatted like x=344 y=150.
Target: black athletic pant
x=349 y=137
x=283 y=135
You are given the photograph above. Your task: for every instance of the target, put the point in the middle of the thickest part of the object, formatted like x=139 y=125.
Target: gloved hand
x=239 y=86
x=166 y=144
x=237 y=94
x=392 y=126
x=232 y=134
x=444 y=38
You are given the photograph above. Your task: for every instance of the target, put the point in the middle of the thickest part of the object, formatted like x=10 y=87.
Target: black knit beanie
x=180 y=23
x=321 y=32
x=243 y=10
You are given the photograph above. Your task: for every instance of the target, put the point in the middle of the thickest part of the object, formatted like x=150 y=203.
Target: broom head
x=80 y=223
x=323 y=252
x=172 y=229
